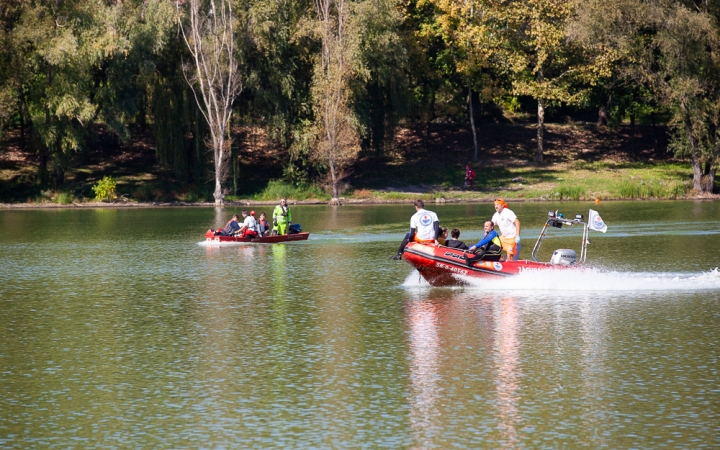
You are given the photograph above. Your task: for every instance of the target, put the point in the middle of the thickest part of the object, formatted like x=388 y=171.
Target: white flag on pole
x=596 y=223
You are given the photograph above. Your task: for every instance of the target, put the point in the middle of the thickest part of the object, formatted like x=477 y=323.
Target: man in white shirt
x=249 y=226
x=509 y=226
x=424 y=228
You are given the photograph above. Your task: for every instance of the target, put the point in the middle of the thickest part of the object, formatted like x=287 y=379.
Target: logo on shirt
x=425 y=220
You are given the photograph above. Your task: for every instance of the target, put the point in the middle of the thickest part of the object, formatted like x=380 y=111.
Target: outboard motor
x=563 y=257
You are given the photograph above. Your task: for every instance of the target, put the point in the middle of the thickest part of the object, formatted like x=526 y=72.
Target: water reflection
x=594 y=333
x=423 y=323
x=438 y=324
x=507 y=362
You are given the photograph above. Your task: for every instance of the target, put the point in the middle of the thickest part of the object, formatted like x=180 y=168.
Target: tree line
x=329 y=79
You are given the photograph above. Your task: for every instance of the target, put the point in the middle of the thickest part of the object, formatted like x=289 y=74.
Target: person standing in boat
x=509 y=226
x=488 y=248
x=424 y=228
x=281 y=217
x=249 y=226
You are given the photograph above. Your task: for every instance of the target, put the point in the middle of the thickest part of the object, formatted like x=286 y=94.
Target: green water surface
x=120 y=328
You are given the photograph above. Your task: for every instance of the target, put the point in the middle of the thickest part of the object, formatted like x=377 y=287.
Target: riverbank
x=582 y=162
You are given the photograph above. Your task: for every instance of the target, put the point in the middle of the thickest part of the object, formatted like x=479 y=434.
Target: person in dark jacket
x=454 y=241
x=231 y=227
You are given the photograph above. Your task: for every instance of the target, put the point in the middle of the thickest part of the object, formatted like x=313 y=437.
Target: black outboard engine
x=563 y=257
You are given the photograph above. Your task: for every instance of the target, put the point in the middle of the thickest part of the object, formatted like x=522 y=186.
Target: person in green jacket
x=281 y=217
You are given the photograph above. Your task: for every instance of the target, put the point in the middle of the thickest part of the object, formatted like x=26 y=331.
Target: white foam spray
x=220 y=244
x=414 y=280
x=599 y=280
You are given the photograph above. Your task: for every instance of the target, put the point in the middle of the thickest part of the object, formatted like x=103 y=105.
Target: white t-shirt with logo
x=505 y=221
x=250 y=223
x=423 y=221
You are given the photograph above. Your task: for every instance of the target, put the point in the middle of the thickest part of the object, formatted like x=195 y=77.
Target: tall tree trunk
x=213 y=74
x=654 y=130
x=540 y=131
x=632 y=134
x=428 y=120
x=25 y=119
x=43 y=149
x=602 y=119
x=710 y=181
x=472 y=123
x=695 y=156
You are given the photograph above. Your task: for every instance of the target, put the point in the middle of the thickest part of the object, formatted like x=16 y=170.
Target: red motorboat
x=211 y=237
x=445 y=266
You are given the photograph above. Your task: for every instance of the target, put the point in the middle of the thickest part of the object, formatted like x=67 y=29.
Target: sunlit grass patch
x=566 y=192
x=278 y=189
x=629 y=189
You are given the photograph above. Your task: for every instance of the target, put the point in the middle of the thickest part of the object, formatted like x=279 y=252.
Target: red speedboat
x=211 y=237
x=445 y=266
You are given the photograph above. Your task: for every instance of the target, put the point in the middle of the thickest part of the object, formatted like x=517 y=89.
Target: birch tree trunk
x=212 y=74
x=540 y=131
x=472 y=123
x=338 y=142
x=695 y=149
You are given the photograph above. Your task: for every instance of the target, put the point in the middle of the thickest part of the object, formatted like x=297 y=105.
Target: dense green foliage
x=77 y=74
x=105 y=189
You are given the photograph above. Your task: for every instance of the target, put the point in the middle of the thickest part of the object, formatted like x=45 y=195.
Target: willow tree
x=208 y=29
x=685 y=71
x=674 y=50
x=336 y=140
x=56 y=48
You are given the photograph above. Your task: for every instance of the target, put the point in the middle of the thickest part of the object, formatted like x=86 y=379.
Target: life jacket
x=494 y=242
x=232 y=227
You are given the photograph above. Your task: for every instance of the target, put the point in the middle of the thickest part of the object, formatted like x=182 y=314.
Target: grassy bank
x=581 y=164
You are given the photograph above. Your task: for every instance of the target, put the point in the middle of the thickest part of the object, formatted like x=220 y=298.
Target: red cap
x=252 y=213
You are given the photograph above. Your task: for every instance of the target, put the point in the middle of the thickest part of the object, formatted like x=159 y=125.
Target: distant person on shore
x=469 y=177
x=424 y=228
x=249 y=226
x=509 y=226
x=263 y=225
x=281 y=218
x=488 y=248
x=231 y=227
x=454 y=241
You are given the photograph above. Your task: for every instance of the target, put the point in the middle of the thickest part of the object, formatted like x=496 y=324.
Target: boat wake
x=599 y=280
x=220 y=244
x=586 y=280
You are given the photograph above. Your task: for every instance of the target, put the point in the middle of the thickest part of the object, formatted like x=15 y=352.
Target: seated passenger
x=443 y=237
x=263 y=225
x=454 y=242
x=231 y=227
x=249 y=226
x=489 y=247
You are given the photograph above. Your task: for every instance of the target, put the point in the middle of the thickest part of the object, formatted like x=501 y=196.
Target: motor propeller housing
x=564 y=257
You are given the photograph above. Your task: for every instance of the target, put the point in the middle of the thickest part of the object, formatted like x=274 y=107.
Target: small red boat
x=211 y=237
x=445 y=266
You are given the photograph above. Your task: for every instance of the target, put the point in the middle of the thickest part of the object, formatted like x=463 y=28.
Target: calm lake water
x=122 y=329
